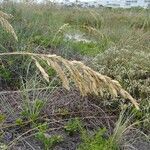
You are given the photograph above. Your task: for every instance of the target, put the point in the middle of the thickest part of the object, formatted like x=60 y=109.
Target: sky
x=140 y=2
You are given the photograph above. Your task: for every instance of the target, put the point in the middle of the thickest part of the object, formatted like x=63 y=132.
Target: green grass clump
x=32 y=110
x=47 y=140
x=73 y=126
x=2 y=118
x=98 y=141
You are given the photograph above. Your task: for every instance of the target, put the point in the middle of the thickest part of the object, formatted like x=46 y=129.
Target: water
x=77 y=37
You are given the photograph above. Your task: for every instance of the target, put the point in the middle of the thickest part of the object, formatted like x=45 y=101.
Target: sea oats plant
x=6 y=25
x=87 y=80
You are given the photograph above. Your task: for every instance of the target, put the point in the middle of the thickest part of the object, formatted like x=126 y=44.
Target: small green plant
x=47 y=140
x=73 y=126
x=19 y=122
x=98 y=141
x=42 y=127
x=2 y=118
x=32 y=110
x=5 y=73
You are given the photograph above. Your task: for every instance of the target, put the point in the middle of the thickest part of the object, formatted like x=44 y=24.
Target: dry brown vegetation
x=6 y=25
x=86 y=79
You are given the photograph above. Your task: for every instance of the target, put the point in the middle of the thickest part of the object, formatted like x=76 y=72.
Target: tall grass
x=119 y=44
x=39 y=24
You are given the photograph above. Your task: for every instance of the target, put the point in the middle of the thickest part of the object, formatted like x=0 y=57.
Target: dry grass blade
x=6 y=25
x=41 y=69
x=61 y=30
x=93 y=31
x=4 y=15
x=86 y=79
x=60 y=72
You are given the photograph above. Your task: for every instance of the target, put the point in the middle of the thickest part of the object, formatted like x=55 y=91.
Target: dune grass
x=113 y=42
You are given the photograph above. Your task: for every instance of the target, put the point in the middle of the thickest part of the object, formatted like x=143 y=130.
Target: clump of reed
x=87 y=80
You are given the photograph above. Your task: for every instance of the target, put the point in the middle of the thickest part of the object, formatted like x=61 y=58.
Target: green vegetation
x=73 y=126
x=113 y=42
x=2 y=118
x=32 y=110
x=48 y=141
x=19 y=122
x=97 y=141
